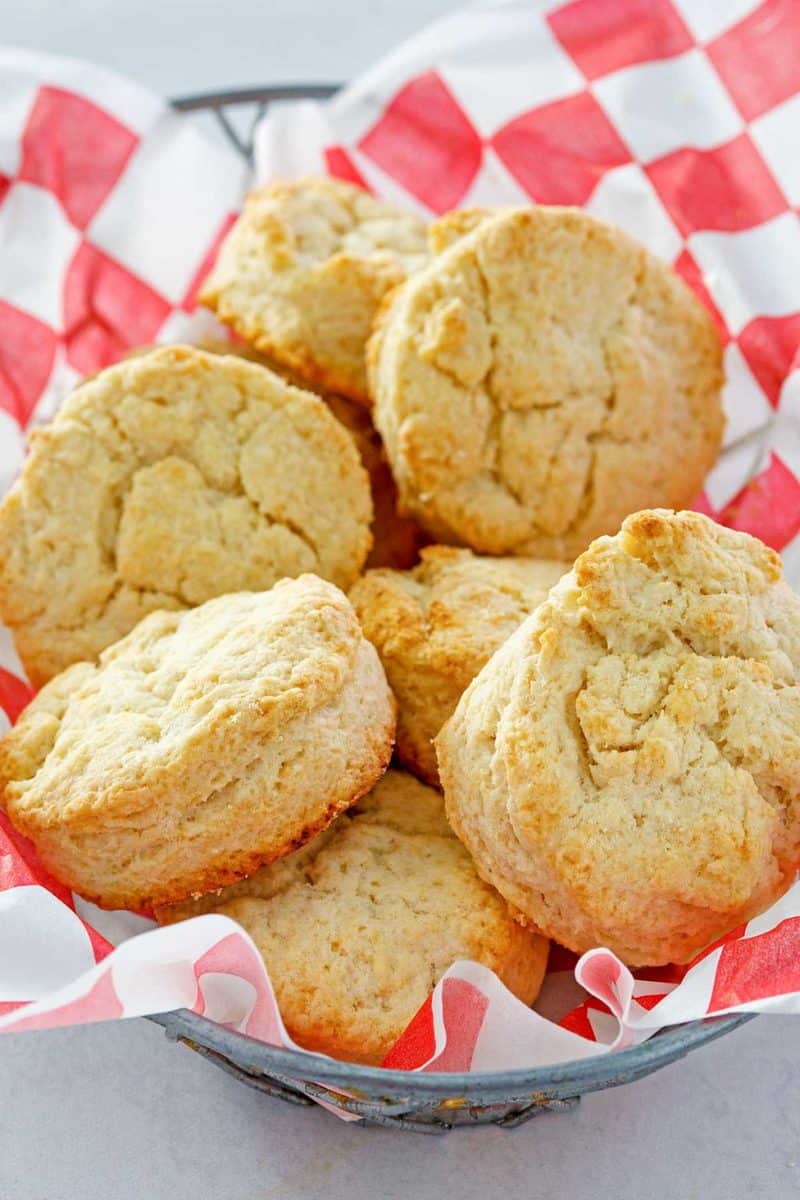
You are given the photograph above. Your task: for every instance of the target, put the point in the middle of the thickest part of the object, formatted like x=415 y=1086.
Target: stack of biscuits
x=383 y=627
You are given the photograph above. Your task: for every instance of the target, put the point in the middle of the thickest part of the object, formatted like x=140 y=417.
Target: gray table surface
x=114 y=1112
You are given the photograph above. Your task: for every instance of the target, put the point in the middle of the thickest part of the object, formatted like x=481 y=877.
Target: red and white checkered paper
x=678 y=121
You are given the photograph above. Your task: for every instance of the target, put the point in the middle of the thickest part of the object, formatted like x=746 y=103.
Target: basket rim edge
x=586 y=1074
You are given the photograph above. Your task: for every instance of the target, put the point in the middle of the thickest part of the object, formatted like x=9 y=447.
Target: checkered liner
x=111 y=210
x=679 y=122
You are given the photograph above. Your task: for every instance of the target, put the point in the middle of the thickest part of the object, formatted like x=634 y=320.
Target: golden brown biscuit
x=361 y=924
x=541 y=379
x=626 y=769
x=454 y=225
x=434 y=628
x=166 y=480
x=396 y=540
x=263 y=883
x=302 y=273
x=201 y=746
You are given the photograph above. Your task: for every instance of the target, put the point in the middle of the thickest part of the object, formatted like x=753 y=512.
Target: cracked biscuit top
x=626 y=769
x=167 y=480
x=301 y=274
x=541 y=379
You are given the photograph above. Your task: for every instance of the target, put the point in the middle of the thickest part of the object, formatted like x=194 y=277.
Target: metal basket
x=423 y=1103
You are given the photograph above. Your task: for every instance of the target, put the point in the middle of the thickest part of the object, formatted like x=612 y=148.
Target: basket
x=419 y=1102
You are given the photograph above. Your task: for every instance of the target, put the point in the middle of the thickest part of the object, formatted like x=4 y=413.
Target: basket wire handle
x=219 y=103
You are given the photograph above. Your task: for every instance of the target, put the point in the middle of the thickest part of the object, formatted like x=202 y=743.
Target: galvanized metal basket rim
x=585 y=1075
x=578 y=1075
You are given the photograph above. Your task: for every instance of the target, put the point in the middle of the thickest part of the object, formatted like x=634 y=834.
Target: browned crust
x=242 y=865
x=302 y=362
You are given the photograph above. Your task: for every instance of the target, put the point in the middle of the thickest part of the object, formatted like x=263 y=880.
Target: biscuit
x=373 y=916
x=396 y=540
x=167 y=480
x=626 y=769
x=436 y=625
x=542 y=378
x=201 y=746
x=456 y=224
x=302 y=272
x=263 y=883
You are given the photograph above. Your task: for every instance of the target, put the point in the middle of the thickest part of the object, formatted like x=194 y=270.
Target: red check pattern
x=106 y=310
x=758 y=58
x=559 y=153
x=75 y=150
x=605 y=35
x=75 y=164
x=27 y=353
